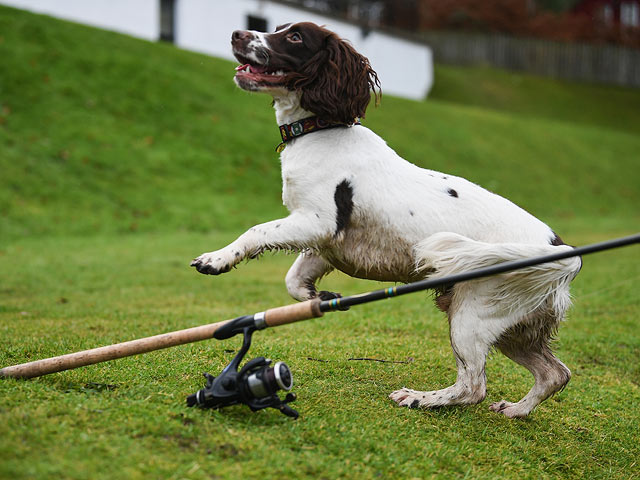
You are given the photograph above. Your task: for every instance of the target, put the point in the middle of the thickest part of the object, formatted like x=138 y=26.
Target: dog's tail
x=520 y=291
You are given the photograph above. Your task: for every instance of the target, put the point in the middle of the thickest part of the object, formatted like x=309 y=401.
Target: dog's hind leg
x=535 y=354
x=472 y=336
x=301 y=278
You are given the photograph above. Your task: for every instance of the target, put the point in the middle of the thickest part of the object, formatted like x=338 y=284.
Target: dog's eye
x=295 y=37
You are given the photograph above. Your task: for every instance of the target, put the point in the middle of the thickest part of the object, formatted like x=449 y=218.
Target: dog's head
x=334 y=81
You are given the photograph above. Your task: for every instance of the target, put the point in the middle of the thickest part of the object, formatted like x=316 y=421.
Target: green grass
x=121 y=160
x=78 y=294
x=104 y=134
x=581 y=103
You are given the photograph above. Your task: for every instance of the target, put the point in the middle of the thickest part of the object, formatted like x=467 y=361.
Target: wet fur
x=358 y=207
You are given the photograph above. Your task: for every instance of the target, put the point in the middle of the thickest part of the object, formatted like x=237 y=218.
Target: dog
x=358 y=207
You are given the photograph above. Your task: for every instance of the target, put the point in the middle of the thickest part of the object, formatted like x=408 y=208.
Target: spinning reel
x=255 y=385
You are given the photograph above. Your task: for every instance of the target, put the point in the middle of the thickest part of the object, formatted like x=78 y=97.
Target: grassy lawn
x=505 y=91
x=127 y=418
x=121 y=160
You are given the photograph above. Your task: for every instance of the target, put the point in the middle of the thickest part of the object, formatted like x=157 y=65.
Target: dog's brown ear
x=337 y=83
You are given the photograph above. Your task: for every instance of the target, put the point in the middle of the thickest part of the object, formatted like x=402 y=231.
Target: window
x=256 y=23
x=167 y=15
x=630 y=14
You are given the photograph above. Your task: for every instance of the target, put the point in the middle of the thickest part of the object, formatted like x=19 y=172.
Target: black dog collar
x=302 y=127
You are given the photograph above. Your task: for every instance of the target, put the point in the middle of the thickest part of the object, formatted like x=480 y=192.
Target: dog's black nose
x=239 y=35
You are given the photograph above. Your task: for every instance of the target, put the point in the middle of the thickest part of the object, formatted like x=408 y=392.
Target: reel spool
x=255 y=385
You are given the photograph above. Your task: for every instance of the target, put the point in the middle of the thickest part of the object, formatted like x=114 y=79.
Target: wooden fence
x=607 y=64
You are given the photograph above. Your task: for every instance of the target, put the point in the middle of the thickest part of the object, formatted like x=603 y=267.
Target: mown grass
x=121 y=160
x=104 y=134
x=128 y=419
x=506 y=91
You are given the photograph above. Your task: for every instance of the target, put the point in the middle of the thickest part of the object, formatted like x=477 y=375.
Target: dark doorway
x=167 y=20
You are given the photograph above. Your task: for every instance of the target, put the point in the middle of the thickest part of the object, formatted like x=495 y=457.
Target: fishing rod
x=257 y=383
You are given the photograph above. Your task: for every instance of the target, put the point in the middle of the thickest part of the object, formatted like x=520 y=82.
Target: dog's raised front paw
x=215 y=263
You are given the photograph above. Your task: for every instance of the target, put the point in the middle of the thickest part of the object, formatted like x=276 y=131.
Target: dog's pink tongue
x=252 y=68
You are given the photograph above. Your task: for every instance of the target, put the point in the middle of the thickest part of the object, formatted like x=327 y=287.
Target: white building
x=405 y=68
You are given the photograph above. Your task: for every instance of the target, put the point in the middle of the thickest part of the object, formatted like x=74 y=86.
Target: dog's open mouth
x=250 y=74
x=260 y=74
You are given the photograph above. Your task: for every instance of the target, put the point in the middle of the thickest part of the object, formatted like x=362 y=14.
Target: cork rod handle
x=272 y=318
x=293 y=313
x=111 y=352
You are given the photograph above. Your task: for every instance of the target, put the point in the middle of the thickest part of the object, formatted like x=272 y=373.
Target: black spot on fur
x=411 y=213
x=557 y=241
x=344 y=205
x=452 y=192
x=415 y=404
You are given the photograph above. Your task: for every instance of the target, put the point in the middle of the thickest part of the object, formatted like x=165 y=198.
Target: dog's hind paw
x=408 y=398
x=508 y=409
x=457 y=394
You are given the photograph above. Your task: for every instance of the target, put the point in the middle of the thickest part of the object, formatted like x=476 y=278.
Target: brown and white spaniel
x=358 y=207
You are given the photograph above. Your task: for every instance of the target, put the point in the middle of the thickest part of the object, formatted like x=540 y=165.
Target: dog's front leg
x=301 y=278
x=295 y=232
